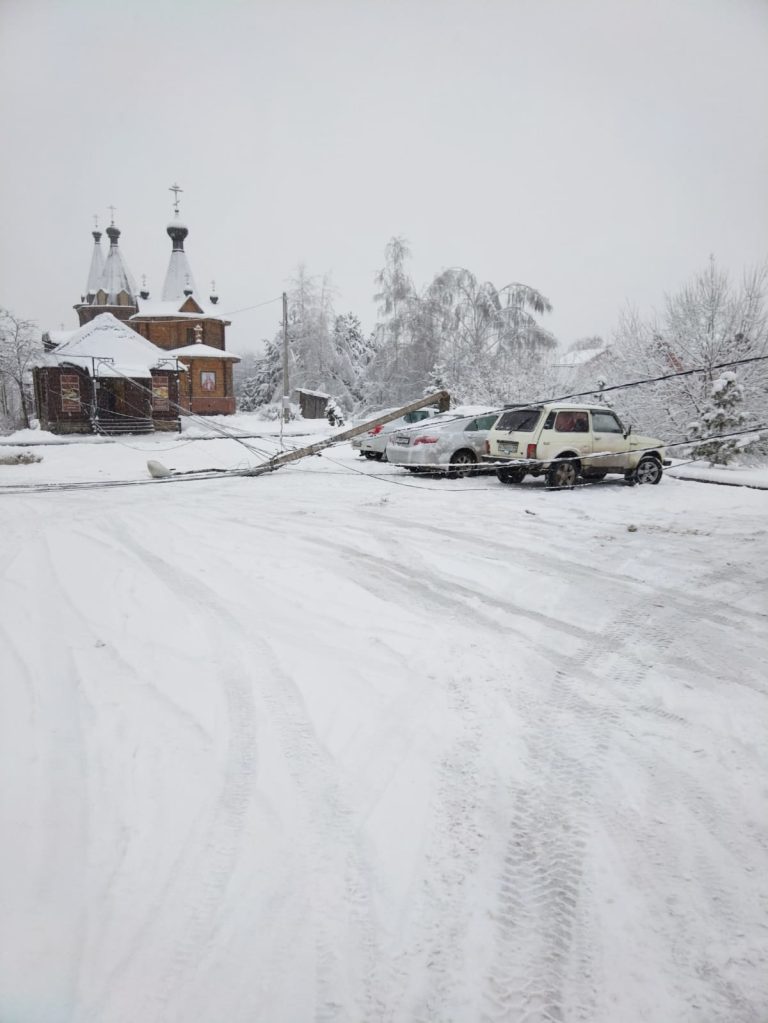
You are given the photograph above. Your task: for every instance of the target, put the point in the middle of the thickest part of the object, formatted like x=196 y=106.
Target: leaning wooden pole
x=440 y=398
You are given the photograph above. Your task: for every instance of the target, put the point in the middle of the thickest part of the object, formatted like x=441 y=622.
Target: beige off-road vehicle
x=564 y=441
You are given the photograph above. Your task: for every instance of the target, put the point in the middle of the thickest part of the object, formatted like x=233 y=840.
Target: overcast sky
x=598 y=150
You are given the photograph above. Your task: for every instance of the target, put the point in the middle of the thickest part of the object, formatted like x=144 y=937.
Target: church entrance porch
x=123 y=406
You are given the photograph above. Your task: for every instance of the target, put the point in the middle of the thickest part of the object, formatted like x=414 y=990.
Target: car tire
x=562 y=475
x=510 y=475
x=648 y=470
x=370 y=455
x=462 y=458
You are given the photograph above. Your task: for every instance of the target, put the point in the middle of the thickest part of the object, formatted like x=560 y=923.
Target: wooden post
x=286 y=387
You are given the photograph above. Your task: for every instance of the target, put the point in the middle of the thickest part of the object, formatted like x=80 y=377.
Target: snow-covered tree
x=391 y=371
x=353 y=352
x=481 y=340
x=19 y=346
x=722 y=415
x=710 y=321
x=262 y=386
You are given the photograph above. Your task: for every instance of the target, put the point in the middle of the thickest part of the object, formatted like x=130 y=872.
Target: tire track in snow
x=187 y=915
x=444 y=593
x=546 y=560
x=442 y=912
x=341 y=878
x=58 y=764
x=541 y=893
x=341 y=881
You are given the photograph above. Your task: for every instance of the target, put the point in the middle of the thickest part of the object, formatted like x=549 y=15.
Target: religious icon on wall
x=208 y=381
x=70 y=393
x=160 y=397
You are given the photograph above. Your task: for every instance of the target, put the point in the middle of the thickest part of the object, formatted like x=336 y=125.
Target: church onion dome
x=177 y=232
x=178 y=279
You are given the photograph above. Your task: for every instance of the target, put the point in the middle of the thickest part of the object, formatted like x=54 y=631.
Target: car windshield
x=519 y=420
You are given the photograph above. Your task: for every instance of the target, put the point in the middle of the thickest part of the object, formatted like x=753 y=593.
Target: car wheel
x=462 y=458
x=370 y=455
x=510 y=475
x=379 y=456
x=562 y=475
x=648 y=470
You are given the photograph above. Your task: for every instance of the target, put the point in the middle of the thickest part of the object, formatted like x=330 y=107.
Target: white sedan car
x=373 y=444
x=449 y=442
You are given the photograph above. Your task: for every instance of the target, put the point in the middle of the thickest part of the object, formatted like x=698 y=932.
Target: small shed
x=313 y=404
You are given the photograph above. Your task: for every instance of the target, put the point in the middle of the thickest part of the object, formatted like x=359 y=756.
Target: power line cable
x=262 y=453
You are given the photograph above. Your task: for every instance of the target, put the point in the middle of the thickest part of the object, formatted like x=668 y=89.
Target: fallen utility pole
x=440 y=398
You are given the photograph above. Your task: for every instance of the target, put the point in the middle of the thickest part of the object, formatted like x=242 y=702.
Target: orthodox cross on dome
x=176 y=192
x=96 y=222
x=112 y=214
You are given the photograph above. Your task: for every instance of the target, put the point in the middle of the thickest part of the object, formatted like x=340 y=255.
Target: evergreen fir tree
x=722 y=415
x=261 y=388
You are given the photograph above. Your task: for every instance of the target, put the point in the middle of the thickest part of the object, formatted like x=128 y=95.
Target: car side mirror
x=627 y=431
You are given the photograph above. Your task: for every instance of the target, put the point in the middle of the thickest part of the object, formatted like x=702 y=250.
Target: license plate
x=509 y=447
x=402 y=441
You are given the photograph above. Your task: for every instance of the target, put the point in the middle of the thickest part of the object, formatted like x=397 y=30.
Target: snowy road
x=328 y=747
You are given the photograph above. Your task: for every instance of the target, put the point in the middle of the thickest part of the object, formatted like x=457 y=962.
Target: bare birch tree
x=19 y=346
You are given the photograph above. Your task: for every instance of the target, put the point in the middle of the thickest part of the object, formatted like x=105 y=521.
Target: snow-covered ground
x=342 y=744
x=729 y=475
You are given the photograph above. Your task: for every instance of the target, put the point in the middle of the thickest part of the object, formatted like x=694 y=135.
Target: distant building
x=582 y=368
x=190 y=332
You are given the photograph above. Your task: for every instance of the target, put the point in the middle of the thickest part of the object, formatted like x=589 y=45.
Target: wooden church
x=136 y=365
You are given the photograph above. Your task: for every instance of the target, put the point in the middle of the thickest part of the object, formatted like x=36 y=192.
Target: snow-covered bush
x=14 y=457
x=273 y=412
x=334 y=412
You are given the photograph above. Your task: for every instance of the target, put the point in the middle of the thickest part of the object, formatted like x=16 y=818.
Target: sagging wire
x=490 y=467
x=209 y=474
x=263 y=453
x=637 y=383
x=208 y=424
x=189 y=317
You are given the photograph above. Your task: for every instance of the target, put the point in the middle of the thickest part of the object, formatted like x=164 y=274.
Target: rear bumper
x=422 y=454
x=523 y=463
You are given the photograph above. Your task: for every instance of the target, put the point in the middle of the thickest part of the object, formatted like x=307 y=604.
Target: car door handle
x=596 y=436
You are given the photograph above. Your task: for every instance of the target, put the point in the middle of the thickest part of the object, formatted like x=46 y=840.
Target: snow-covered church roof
x=175 y=309
x=97 y=265
x=198 y=350
x=115 y=277
x=107 y=347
